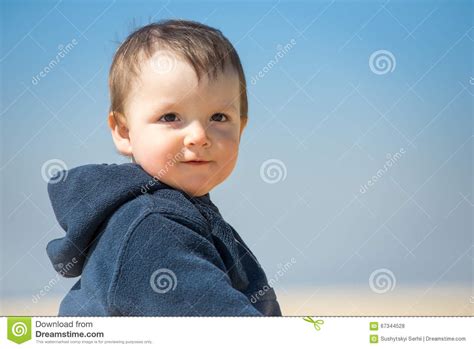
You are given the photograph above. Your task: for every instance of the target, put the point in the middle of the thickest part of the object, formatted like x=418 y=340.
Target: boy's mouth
x=197 y=162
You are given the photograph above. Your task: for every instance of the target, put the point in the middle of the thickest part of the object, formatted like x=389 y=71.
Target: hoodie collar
x=83 y=198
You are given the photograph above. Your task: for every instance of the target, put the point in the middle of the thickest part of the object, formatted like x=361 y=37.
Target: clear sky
x=373 y=163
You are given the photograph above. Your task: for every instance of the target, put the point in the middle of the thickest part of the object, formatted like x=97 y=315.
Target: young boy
x=145 y=237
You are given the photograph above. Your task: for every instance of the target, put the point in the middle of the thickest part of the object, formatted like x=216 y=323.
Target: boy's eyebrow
x=231 y=106
x=156 y=108
x=171 y=105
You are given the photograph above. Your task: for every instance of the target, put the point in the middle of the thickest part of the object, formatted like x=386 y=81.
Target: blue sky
x=320 y=110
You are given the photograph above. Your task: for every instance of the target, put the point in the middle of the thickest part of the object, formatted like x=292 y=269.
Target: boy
x=145 y=237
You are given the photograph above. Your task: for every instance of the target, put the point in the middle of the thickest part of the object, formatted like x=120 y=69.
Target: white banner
x=238 y=332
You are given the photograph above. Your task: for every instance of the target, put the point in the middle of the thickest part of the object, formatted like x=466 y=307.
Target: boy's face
x=172 y=119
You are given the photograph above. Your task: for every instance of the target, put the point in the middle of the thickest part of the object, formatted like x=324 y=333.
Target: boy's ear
x=120 y=133
x=243 y=123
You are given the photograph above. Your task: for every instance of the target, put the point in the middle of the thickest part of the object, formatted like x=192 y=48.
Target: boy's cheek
x=156 y=151
x=232 y=144
x=226 y=138
x=230 y=132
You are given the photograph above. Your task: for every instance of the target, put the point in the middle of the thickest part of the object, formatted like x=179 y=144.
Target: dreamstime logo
x=163 y=62
x=382 y=281
x=172 y=160
x=282 y=51
x=19 y=329
x=273 y=171
x=382 y=62
x=63 y=50
x=282 y=270
x=163 y=280
x=391 y=160
x=63 y=271
x=54 y=171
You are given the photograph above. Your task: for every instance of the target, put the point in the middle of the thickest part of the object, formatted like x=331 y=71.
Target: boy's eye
x=219 y=117
x=170 y=117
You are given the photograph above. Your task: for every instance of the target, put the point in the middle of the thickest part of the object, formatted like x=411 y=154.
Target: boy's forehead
x=169 y=77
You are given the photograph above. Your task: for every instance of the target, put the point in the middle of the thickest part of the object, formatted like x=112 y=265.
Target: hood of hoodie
x=83 y=198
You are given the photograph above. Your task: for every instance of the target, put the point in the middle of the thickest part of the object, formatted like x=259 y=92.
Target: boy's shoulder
x=106 y=200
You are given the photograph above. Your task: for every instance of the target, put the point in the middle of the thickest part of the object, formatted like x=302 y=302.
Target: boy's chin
x=194 y=185
x=196 y=191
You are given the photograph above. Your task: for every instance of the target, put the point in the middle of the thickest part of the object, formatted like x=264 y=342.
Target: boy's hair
x=206 y=49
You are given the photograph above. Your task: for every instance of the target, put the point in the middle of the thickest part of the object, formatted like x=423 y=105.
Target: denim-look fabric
x=143 y=248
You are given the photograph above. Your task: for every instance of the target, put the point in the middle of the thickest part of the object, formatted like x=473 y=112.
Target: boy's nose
x=196 y=135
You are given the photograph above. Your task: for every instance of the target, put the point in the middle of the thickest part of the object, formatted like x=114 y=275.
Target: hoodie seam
x=111 y=294
x=117 y=269
x=175 y=212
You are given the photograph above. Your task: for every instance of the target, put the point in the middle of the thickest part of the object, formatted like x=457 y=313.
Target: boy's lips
x=197 y=162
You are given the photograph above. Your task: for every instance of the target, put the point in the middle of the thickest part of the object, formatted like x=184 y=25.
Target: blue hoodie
x=144 y=248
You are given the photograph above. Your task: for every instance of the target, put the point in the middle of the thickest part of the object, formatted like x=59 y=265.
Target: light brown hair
x=205 y=48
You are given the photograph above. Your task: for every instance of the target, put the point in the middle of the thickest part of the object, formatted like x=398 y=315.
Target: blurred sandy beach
x=323 y=301
x=351 y=301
